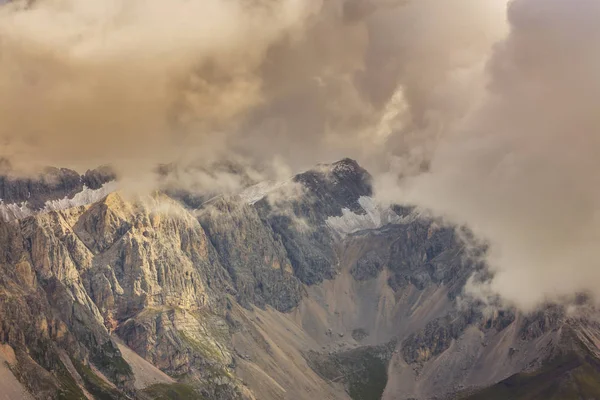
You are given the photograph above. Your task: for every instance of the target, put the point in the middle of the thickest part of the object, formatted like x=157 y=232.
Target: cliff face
x=253 y=255
x=73 y=277
x=291 y=290
x=48 y=319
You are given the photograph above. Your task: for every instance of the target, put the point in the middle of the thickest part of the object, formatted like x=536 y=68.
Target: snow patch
x=9 y=212
x=13 y=211
x=375 y=217
x=85 y=197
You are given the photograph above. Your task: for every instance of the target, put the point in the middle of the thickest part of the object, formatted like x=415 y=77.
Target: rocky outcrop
x=425 y=253
x=96 y=178
x=254 y=257
x=193 y=346
x=368 y=266
x=437 y=336
x=158 y=258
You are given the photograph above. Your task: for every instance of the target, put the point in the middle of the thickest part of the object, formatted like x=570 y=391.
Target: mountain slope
x=303 y=289
x=571 y=373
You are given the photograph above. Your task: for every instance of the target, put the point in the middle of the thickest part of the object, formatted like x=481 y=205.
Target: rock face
x=46 y=310
x=303 y=230
x=303 y=290
x=253 y=255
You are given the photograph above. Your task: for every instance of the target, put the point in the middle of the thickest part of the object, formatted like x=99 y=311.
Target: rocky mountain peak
x=347 y=166
x=337 y=186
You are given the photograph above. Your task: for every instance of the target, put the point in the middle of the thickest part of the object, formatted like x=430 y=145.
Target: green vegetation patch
x=108 y=359
x=96 y=385
x=363 y=370
x=69 y=389
x=205 y=348
x=176 y=391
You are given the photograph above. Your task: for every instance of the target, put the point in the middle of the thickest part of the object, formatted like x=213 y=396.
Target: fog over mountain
x=481 y=113
x=521 y=170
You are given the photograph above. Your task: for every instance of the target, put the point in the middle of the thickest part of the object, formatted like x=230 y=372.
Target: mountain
x=300 y=289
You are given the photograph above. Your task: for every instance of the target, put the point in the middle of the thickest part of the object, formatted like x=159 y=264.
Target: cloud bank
x=522 y=169
x=137 y=83
x=131 y=83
